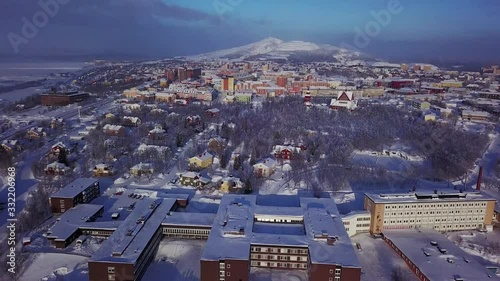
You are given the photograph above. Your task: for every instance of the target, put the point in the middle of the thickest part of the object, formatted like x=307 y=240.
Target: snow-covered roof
x=59 y=144
x=142 y=166
x=71 y=220
x=132 y=119
x=233 y=230
x=268 y=162
x=57 y=166
x=475 y=113
x=455 y=263
x=109 y=127
x=204 y=156
x=129 y=241
x=428 y=197
x=280 y=148
x=76 y=187
x=180 y=219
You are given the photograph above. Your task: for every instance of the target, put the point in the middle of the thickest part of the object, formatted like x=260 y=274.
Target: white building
x=345 y=100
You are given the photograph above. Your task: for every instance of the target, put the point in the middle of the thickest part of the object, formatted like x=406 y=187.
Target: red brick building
x=62 y=99
x=281 y=81
x=80 y=191
x=306 y=236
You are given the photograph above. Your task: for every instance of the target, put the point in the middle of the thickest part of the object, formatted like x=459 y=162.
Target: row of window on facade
x=448 y=205
x=441 y=220
x=279 y=250
x=186 y=231
x=277 y=257
x=279 y=264
x=458 y=226
x=456 y=212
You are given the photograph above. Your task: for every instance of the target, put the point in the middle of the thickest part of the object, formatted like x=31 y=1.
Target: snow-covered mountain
x=272 y=48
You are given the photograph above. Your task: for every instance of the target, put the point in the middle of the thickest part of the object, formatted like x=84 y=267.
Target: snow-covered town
x=277 y=160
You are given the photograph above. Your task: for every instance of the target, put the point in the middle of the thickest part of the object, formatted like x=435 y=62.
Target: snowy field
x=392 y=162
x=58 y=267
x=176 y=260
x=378 y=260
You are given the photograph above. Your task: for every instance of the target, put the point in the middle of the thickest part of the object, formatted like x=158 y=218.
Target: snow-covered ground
x=51 y=265
x=486 y=246
x=176 y=260
x=390 y=160
x=378 y=260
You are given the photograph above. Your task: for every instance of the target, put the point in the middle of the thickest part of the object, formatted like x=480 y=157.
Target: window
x=111 y=277
x=228 y=266
x=229 y=274
x=331 y=271
x=111 y=270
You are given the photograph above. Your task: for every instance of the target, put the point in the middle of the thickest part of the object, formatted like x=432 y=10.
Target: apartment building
x=356 y=222
x=440 y=211
x=80 y=191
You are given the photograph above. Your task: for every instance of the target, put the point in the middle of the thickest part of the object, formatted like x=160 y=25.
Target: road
x=488 y=162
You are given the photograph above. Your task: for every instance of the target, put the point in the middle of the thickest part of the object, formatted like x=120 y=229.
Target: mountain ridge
x=274 y=48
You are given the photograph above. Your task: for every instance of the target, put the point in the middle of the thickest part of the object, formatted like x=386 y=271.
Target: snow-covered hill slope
x=273 y=48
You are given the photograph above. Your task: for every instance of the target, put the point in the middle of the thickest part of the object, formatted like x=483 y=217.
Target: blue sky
x=444 y=30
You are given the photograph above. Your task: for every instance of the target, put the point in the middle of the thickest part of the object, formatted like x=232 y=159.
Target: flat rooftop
x=180 y=219
x=128 y=241
x=234 y=229
x=428 y=197
x=71 y=220
x=435 y=265
x=76 y=187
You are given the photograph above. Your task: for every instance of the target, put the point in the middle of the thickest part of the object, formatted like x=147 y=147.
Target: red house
x=286 y=152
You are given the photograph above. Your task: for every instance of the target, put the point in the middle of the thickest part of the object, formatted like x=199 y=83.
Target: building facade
x=442 y=212
x=80 y=191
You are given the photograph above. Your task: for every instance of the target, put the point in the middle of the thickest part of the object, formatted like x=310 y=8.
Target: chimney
x=479 y=179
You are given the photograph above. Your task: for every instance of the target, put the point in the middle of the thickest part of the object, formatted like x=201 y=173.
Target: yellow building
x=430 y=117
x=230 y=84
x=230 y=184
x=449 y=84
x=131 y=93
x=201 y=161
x=439 y=211
x=163 y=83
